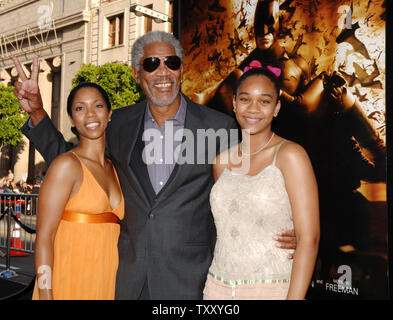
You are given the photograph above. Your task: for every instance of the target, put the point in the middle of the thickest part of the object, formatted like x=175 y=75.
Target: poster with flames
x=332 y=57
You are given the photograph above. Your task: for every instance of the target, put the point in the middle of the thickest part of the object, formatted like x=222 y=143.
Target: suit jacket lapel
x=130 y=132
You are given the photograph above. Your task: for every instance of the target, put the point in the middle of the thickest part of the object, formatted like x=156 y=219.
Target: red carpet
x=15 y=291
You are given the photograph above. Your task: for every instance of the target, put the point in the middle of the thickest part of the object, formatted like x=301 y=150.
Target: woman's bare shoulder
x=292 y=158
x=292 y=150
x=66 y=164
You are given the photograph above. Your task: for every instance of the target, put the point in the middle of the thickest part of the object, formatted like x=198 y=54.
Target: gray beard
x=164 y=103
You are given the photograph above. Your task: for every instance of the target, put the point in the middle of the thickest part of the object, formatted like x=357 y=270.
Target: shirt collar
x=180 y=115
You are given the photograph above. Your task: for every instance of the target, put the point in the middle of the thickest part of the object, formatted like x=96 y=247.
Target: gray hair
x=154 y=36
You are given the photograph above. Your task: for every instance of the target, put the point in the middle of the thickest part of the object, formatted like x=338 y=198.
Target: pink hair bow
x=256 y=64
x=276 y=71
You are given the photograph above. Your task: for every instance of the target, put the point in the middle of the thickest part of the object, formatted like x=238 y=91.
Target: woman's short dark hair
x=71 y=97
x=260 y=72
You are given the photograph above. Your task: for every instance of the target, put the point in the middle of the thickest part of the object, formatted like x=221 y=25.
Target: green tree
x=117 y=80
x=12 y=117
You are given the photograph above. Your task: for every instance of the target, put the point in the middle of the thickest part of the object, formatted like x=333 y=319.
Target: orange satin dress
x=85 y=251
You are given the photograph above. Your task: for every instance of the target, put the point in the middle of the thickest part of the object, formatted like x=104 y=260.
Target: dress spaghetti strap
x=275 y=154
x=76 y=156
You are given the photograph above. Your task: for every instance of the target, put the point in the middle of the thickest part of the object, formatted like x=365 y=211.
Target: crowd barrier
x=18 y=214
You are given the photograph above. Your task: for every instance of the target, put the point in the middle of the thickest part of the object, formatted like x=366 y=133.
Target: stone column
x=45 y=84
x=5 y=77
x=56 y=90
x=56 y=63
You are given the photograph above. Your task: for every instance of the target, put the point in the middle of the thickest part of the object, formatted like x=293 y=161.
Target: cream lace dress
x=248 y=211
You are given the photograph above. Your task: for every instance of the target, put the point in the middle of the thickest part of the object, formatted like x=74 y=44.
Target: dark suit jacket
x=167 y=238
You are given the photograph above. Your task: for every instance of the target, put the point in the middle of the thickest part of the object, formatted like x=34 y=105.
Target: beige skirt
x=217 y=290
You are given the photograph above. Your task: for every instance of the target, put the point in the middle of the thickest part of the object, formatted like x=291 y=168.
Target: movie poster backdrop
x=332 y=57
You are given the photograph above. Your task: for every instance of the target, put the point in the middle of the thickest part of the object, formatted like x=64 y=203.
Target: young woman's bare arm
x=303 y=194
x=61 y=182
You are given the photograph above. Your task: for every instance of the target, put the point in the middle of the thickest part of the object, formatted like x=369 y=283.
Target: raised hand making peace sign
x=28 y=92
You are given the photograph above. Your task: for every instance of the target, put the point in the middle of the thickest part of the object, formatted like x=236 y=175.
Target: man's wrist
x=36 y=116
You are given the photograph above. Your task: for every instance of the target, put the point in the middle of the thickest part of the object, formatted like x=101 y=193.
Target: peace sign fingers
x=27 y=91
x=35 y=70
x=19 y=68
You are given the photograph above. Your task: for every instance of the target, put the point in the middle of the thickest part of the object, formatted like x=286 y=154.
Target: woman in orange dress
x=79 y=208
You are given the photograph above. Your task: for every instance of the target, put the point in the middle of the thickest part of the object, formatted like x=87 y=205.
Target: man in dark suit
x=167 y=236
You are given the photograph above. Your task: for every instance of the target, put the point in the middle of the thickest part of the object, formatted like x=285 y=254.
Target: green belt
x=233 y=283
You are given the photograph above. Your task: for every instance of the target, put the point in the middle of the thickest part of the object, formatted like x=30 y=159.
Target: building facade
x=64 y=34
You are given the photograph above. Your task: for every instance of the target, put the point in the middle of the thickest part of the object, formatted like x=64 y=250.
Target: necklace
x=259 y=150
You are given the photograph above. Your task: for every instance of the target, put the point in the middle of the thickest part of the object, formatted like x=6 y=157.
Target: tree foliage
x=117 y=80
x=12 y=117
